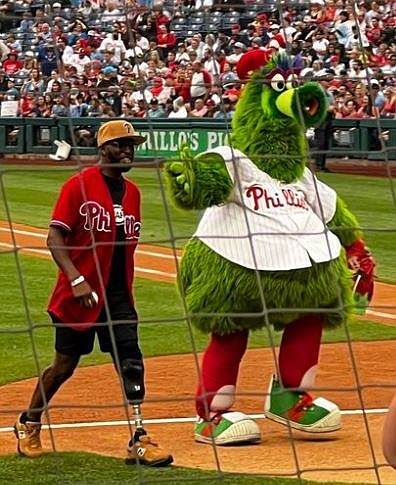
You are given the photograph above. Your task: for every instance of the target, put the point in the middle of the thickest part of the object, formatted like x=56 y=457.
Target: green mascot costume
x=275 y=246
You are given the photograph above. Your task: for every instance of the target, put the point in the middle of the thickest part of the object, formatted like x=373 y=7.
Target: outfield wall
x=358 y=139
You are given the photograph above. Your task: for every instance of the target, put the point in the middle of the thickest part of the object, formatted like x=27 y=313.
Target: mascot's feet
x=227 y=429
x=297 y=410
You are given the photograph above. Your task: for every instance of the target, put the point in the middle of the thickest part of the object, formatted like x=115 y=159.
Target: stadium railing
x=350 y=138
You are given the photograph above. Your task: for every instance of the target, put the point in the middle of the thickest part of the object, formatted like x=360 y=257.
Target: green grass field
x=25 y=328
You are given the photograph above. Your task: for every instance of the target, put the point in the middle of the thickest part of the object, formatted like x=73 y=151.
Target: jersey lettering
x=131 y=227
x=96 y=216
x=266 y=199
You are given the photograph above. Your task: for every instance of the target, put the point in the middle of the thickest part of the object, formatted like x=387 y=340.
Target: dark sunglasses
x=126 y=142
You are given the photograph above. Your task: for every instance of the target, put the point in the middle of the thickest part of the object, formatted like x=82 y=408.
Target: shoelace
x=33 y=430
x=297 y=411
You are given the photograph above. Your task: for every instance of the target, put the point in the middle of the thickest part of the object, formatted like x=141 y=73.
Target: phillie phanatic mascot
x=275 y=246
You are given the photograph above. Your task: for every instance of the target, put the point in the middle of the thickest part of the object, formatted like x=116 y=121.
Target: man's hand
x=85 y=295
x=362 y=263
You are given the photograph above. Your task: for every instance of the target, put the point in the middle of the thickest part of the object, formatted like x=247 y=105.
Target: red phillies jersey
x=85 y=210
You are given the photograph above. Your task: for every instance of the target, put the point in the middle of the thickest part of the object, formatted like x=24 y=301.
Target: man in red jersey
x=93 y=235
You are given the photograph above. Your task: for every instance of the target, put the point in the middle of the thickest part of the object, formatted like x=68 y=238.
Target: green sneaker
x=227 y=429
x=298 y=410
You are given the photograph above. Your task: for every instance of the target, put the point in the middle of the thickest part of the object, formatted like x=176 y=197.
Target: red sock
x=299 y=350
x=220 y=366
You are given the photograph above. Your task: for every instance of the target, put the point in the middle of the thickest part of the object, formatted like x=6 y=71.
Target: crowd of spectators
x=177 y=58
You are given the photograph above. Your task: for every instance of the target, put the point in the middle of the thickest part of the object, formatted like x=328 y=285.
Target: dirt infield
x=170 y=390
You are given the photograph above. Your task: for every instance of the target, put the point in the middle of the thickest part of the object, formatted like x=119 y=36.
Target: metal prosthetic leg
x=132 y=371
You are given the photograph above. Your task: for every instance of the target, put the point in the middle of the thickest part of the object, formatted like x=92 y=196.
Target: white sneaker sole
x=331 y=422
x=246 y=431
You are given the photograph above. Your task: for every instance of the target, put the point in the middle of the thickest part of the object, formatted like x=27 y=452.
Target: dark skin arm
x=56 y=243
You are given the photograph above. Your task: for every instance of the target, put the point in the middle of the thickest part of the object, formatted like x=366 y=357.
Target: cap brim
x=135 y=139
x=138 y=140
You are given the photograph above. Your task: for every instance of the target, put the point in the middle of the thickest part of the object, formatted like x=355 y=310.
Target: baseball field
x=89 y=428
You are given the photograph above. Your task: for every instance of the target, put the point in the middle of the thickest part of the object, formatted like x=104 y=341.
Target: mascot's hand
x=362 y=263
x=182 y=173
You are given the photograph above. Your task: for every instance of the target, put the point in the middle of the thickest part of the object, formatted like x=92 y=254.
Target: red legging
x=299 y=351
x=220 y=366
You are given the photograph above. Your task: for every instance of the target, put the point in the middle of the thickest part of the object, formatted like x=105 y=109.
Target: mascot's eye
x=278 y=82
x=291 y=81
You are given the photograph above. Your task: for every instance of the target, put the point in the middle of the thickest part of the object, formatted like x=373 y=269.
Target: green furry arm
x=198 y=182
x=344 y=224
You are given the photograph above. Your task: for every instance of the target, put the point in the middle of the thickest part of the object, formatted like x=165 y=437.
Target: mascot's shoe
x=297 y=410
x=28 y=435
x=146 y=452
x=227 y=429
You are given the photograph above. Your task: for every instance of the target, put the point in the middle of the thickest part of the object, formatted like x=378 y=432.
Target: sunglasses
x=126 y=142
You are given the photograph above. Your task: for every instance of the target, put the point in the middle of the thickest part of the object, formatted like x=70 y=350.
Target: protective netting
x=171 y=409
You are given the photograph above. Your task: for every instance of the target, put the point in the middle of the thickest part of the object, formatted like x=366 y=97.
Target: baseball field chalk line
x=94 y=424
x=45 y=252
x=44 y=236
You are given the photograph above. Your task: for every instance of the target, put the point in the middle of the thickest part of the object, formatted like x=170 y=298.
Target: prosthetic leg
x=141 y=449
x=215 y=394
x=298 y=358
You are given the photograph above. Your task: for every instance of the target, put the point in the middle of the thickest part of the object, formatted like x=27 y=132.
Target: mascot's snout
x=307 y=104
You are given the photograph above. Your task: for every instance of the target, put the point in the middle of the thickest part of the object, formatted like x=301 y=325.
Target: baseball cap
x=239 y=45
x=57 y=5
x=274 y=26
x=374 y=82
x=335 y=58
x=235 y=27
x=109 y=70
x=116 y=129
x=274 y=43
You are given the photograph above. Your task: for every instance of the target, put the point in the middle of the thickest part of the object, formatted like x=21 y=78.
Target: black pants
x=117 y=335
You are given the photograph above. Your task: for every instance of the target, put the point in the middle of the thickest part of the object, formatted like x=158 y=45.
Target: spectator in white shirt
x=79 y=60
x=113 y=42
x=178 y=110
x=238 y=51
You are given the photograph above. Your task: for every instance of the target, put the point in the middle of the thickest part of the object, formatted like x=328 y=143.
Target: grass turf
x=163 y=330
x=86 y=468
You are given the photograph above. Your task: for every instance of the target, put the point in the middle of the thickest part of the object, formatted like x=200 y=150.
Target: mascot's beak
x=306 y=104
x=284 y=102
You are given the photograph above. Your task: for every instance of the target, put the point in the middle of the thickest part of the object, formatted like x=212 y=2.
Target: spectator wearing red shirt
x=12 y=65
x=157 y=87
x=171 y=63
x=165 y=41
x=182 y=85
x=374 y=31
x=276 y=35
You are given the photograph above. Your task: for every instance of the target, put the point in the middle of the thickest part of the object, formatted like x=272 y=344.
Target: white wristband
x=77 y=281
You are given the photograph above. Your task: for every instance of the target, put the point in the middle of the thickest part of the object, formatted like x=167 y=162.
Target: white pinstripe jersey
x=269 y=225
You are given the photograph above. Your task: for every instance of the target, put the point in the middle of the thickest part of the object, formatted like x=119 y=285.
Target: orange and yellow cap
x=115 y=129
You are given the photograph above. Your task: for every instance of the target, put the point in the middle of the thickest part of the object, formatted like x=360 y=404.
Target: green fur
x=216 y=289
x=345 y=225
x=223 y=297
x=256 y=132
x=208 y=181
